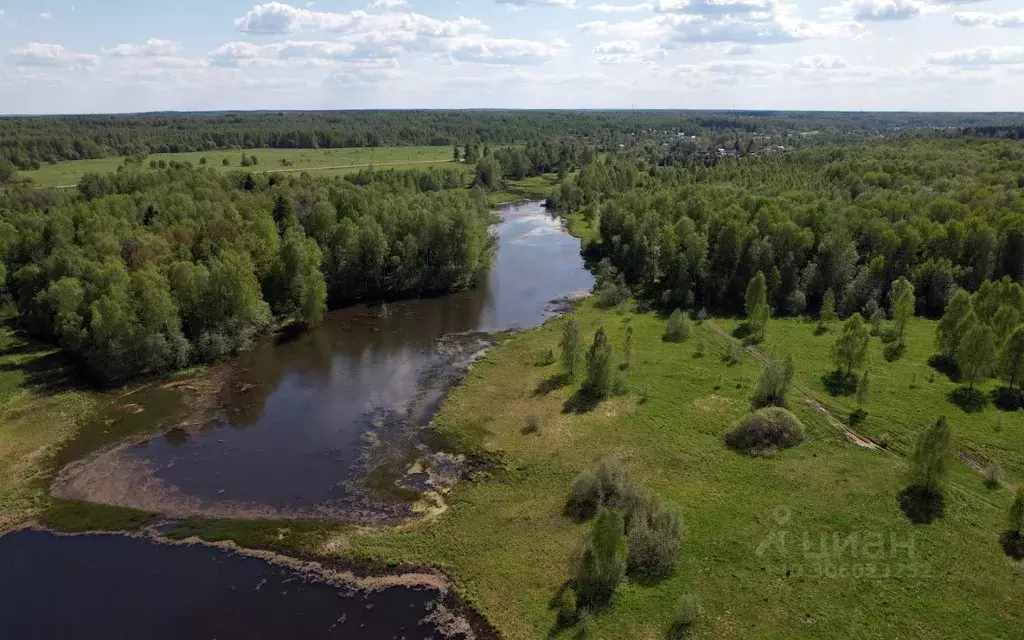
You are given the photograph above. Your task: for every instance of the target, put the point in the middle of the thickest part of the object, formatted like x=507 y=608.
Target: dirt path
x=294 y=169
x=809 y=397
x=812 y=400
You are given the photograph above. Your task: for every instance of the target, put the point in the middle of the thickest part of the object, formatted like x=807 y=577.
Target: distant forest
x=27 y=142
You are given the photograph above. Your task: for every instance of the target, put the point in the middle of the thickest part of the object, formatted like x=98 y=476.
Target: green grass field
x=328 y=161
x=807 y=543
x=37 y=415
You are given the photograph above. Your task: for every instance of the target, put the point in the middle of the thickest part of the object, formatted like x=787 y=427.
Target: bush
x=766 y=430
x=733 y=353
x=566 y=607
x=585 y=496
x=532 y=426
x=678 y=328
x=773 y=383
x=604 y=379
x=611 y=295
x=655 y=538
x=601 y=566
x=687 y=615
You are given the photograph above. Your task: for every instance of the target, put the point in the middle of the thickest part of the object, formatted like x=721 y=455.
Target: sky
x=101 y=56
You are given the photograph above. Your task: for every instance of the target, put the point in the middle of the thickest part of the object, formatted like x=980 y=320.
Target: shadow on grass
x=920 y=505
x=838 y=383
x=553 y=383
x=945 y=365
x=50 y=370
x=742 y=331
x=968 y=399
x=1006 y=399
x=857 y=416
x=1013 y=544
x=893 y=351
x=580 y=402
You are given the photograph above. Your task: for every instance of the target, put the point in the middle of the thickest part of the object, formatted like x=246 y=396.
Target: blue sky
x=75 y=56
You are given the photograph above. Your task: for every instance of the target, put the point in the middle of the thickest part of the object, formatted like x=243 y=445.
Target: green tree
x=570 y=346
x=1004 y=321
x=850 y=350
x=827 y=312
x=601 y=380
x=225 y=162
x=1011 y=357
x=301 y=285
x=976 y=357
x=1016 y=516
x=757 y=294
x=929 y=461
x=773 y=383
x=678 y=328
x=901 y=306
x=756 y=307
x=863 y=389
x=948 y=331
x=601 y=566
x=456 y=156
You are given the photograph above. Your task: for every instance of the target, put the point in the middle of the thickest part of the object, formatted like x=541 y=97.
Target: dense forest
x=147 y=271
x=846 y=220
x=26 y=142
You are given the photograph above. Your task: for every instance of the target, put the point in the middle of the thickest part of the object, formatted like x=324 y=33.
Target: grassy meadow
x=328 y=161
x=807 y=543
x=39 y=412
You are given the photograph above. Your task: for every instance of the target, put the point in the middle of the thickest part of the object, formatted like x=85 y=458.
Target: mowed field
x=805 y=543
x=327 y=161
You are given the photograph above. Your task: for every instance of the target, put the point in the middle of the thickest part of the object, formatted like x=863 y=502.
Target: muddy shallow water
x=110 y=586
x=331 y=424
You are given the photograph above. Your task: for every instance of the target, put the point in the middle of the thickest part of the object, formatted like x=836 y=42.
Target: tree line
x=146 y=271
x=843 y=223
x=26 y=142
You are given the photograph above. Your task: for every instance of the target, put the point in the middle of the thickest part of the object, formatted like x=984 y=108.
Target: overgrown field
x=809 y=542
x=327 y=161
x=38 y=412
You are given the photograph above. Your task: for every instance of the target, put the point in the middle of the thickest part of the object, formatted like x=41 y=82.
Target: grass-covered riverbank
x=774 y=547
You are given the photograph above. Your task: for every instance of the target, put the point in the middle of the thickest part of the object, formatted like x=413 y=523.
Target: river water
x=331 y=424
x=109 y=586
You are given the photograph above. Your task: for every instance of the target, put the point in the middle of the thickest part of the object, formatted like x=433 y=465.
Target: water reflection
x=108 y=586
x=297 y=416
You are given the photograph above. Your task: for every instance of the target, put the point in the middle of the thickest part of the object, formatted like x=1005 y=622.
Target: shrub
x=993 y=476
x=566 y=606
x=678 y=328
x=687 y=615
x=773 y=383
x=603 y=376
x=766 y=430
x=532 y=426
x=611 y=294
x=584 y=496
x=733 y=353
x=601 y=566
x=655 y=538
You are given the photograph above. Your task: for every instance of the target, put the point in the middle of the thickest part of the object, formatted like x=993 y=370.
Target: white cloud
x=46 y=15
x=880 y=10
x=522 y=4
x=775 y=27
x=605 y=7
x=715 y=7
x=362 y=74
x=1008 y=20
x=740 y=50
x=36 y=54
x=381 y=4
x=981 y=56
x=618 y=47
x=502 y=51
x=151 y=47
x=821 y=61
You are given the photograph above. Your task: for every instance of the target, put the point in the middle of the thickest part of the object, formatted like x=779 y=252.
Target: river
x=332 y=424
